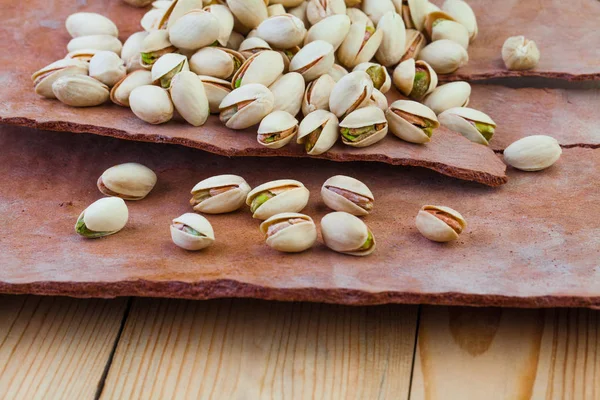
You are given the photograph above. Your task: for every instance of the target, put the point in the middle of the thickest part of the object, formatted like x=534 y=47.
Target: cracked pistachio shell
x=275 y=9
x=103 y=217
x=317 y=10
x=317 y=94
x=288 y=92
x=313 y=60
x=462 y=119
x=378 y=74
x=282 y=31
x=376 y=9
x=250 y=13
x=107 y=67
x=45 y=77
x=450 y=95
x=533 y=153
x=152 y=19
x=363 y=117
x=350 y=93
x=300 y=12
x=337 y=202
x=444 y=56
x=519 y=53
x=189 y=241
x=166 y=65
x=120 y=92
x=393 y=42
x=332 y=29
x=462 y=12
x=194 y=30
x=406 y=130
x=277 y=122
x=298 y=236
x=378 y=100
x=151 y=104
x=404 y=78
x=289 y=196
x=82 y=55
x=357 y=16
x=347 y=234
x=440 y=25
x=354 y=50
x=80 y=91
x=327 y=122
x=437 y=229
x=337 y=72
x=133 y=46
x=95 y=42
x=189 y=98
x=87 y=23
x=218 y=62
x=253 y=45
x=264 y=68
x=414 y=43
x=219 y=200
x=216 y=90
x=413 y=13
x=225 y=21
x=129 y=181
x=156 y=44
x=256 y=100
x=176 y=10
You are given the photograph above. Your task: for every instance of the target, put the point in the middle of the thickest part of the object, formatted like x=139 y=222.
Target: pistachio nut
x=192 y=232
x=87 y=23
x=378 y=74
x=411 y=121
x=332 y=29
x=414 y=43
x=444 y=56
x=520 y=54
x=415 y=79
x=318 y=132
x=300 y=12
x=364 y=127
x=82 y=55
x=264 y=68
x=189 y=98
x=176 y=10
x=440 y=224
x=453 y=94
x=316 y=10
x=378 y=100
x=413 y=12
x=107 y=67
x=129 y=181
x=275 y=9
x=376 y=9
x=289 y=232
x=350 y=93
x=462 y=12
x=103 y=217
x=166 y=67
x=45 y=77
x=250 y=13
x=313 y=60
x=130 y=54
x=218 y=62
x=152 y=19
x=472 y=124
x=225 y=20
x=95 y=42
x=337 y=72
x=393 y=40
x=119 y=94
x=151 y=104
x=253 y=45
x=275 y=197
x=194 y=30
x=288 y=92
x=440 y=25
x=216 y=89
x=246 y=106
x=219 y=194
x=317 y=94
x=80 y=91
x=357 y=16
x=282 y=31
x=360 y=45
x=286 y=56
x=277 y=129
x=154 y=46
x=347 y=234
x=235 y=40
x=533 y=153
x=344 y=193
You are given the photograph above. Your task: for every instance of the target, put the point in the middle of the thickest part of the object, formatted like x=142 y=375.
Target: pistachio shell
x=45 y=77
x=120 y=92
x=393 y=40
x=404 y=78
x=154 y=46
x=96 y=42
x=458 y=119
x=264 y=68
x=357 y=16
x=444 y=56
x=82 y=55
x=332 y=29
x=350 y=93
x=257 y=101
x=133 y=46
x=129 y=181
x=436 y=229
x=107 y=67
x=293 y=199
x=216 y=90
x=252 y=46
x=87 y=23
x=216 y=61
x=364 y=117
x=462 y=12
x=287 y=3
x=194 y=30
x=450 y=95
x=250 y=13
x=376 y=9
x=414 y=43
x=166 y=65
x=317 y=94
x=225 y=19
x=317 y=10
x=190 y=241
x=189 y=98
x=300 y=12
x=451 y=30
x=293 y=237
x=277 y=122
x=152 y=19
x=151 y=104
x=406 y=129
x=325 y=140
x=313 y=60
x=337 y=72
x=533 y=153
x=288 y=92
x=178 y=9
x=282 y=31
x=235 y=41
x=519 y=53
x=378 y=100
x=219 y=200
x=275 y=9
x=378 y=74
x=354 y=50
x=413 y=13
x=104 y=217
x=347 y=234
x=80 y=91
x=162 y=4
x=344 y=193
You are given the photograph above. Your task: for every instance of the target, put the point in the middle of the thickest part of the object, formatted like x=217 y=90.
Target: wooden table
x=137 y=348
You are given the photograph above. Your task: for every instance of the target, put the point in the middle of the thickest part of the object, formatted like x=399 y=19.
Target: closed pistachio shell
x=151 y=21
x=318 y=132
x=450 y=95
x=289 y=232
x=520 y=54
x=104 y=217
x=216 y=61
x=282 y=31
x=219 y=194
x=45 y=77
x=415 y=79
x=80 y=91
x=192 y=232
x=440 y=224
x=347 y=234
x=444 y=56
x=317 y=94
x=337 y=72
x=225 y=20
x=357 y=16
x=120 y=92
x=250 y=13
x=96 y=42
x=344 y=193
x=378 y=100
x=288 y=92
x=472 y=124
x=393 y=40
x=166 y=67
x=364 y=127
x=87 y=23
x=317 y=10
x=216 y=90
x=154 y=46
x=277 y=129
x=107 y=67
x=189 y=98
x=376 y=9
x=133 y=46
x=533 y=153
x=246 y=106
x=413 y=12
x=300 y=12
x=360 y=45
x=414 y=43
x=275 y=197
x=178 y=9
x=313 y=60
x=151 y=104
x=129 y=181
x=411 y=121
x=264 y=68
x=378 y=74
x=194 y=30
x=462 y=12
x=441 y=26
x=332 y=29
x=350 y=93
x=253 y=45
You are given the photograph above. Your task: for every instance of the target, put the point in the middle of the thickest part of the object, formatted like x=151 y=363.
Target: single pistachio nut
x=275 y=197
x=154 y=46
x=288 y=92
x=151 y=104
x=347 y=234
x=376 y=9
x=300 y=12
x=45 y=77
x=166 y=67
x=318 y=132
x=276 y=9
x=216 y=89
x=176 y=10
x=80 y=91
x=533 y=153
x=350 y=93
x=219 y=194
x=520 y=54
x=107 y=67
x=393 y=40
x=453 y=94
x=378 y=74
x=87 y=23
x=119 y=94
x=250 y=13
x=316 y=10
x=194 y=30
x=360 y=45
x=289 y=232
x=282 y=31
x=225 y=19
x=440 y=25
x=411 y=121
x=313 y=60
x=253 y=45
x=129 y=181
x=192 y=232
x=357 y=16
x=440 y=224
x=337 y=72
x=95 y=42
x=413 y=12
x=317 y=94
x=104 y=217
x=364 y=127
x=415 y=41
x=264 y=68
x=462 y=13
x=218 y=62
x=277 y=129
x=472 y=124
x=151 y=20
x=189 y=98
x=133 y=47
x=235 y=41
x=444 y=56
x=414 y=79
x=246 y=106
x=82 y=55
x=344 y=193
x=332 y=29
x=378 y=100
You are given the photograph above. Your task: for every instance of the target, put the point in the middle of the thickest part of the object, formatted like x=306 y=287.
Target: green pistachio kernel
x=165 y=80
x=148 y=58
x=191 y=231
x=83 y=230
x=238 y=82
x=420 y=85
x=260 y=200
x=368 y=243
x=485 y=129
x=377 y=74
x=437 y=21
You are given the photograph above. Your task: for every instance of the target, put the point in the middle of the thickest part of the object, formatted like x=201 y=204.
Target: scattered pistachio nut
x=119 y=94
x=332 y=29
x=216 y=90
x=411 y=121
x=225 y=20
x=317 y=94
x=533 y=153
x=246 y=106
x=453 y=94
x=129 y=181
x=277 y=129
x=80 y=91
x=104 y=217
x=344 y=193
x=347 y=234
x=264 y=68
x=414 y=79
x=440 y=224
x=318 y=132
x=378 y=74
x=288 y=92
x=95 y=42
x=107 y=67
x=166 y=67
x=218 y=62
x=313 y=60
x=87 y=23
x=151 y=104
x=440 y=25
x=189 y=98
x=476 y=126
x=45 y=77
x=462 y=12
x=360 y=45
x=289 y=232
x=282 y=31
x=364 y=127
x=350 y=93
x=155 y=45
x=316 y=10
x=393 y=42
x=276 y=197
x=219 y=194
x=192 y=232
x=194 y=30
x=520 y=54
x=444 y=56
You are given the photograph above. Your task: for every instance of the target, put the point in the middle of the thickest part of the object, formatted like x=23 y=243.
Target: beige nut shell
x=404 y=76
x=189 y=98
x=457 y=119
x=278 y=121
x=151 y=104
x=393 y=41
x=318 y=52
x=533 y=153
x=293 y=239
x=288 y=92
x=225 y=202
x=332 y=29
x=450 y=95
x=434 y=228
x=119 y=94
x=387 y=83
x=264 y=68
x=352 y=51
x=191 y=242
x=45 y=77
x=404 y=129
x=317 y=94
x=444 y=56
x=282 y=31
x=340 y=203
x=216 y=89
x=80 y=91
x=329 y=134
x=364 y=117
x=293 y=200
x=345 y=233
x=130 y=181
x=347 y=92
x=253 y=113
x=109 y=214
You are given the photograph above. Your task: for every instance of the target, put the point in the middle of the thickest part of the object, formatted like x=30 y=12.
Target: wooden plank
x=467 y=353
x=54 y=347
x=249 y=349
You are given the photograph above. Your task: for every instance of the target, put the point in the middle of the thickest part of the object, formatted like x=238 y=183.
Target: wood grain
x=248 y=349
x=55 y=348
x=491 y=353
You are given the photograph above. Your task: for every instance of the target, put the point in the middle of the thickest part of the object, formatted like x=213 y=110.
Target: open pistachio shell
x=378 y=74
x=411 y=121
x=82 y=55
x=476 y=126
x=107 y=67
x=133 y=47
x=192 y=232
x=275 y=197
x=219 y=194
x=313 y=60
x=176 y=10
x=87 y=23
x=337 y=72
x=194 y=30
x=253 y=45
x=414 y=42
x=444 y=56
x=155 y=45
x=347 y=234
x=450 y=95
x=317 y=94
x=289 y=232
x=318 y=132
x=250 y=13
x=378 y=100
x=393 y=40
x=440 y=25
x=277 y=129
x=440 y=224
x=264 y=68
x=96 y=42
x=317 y=10
x=413 y=12
x=225 y=19
x=344 y=193
x=246 y=106
x=80 y=91
x=151 y=21
x=282 y=31
x=151 y=104
x=357 y=16
x=119 y=94
x=350 y=93
x=166 y=67
x=376 y=9
x=216 y=89
x=189 y=98
x=414 y=79
x=104 y=217
x=45 y=77
x=218 y=62
x=360 y=45
x=288 y=92
x=332 y=29
x=462 y=12
x=364 y=127
x=129 y=181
